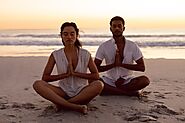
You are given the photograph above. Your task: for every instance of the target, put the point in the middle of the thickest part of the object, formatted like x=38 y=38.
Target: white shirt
x=72 y=85
x=107 y=51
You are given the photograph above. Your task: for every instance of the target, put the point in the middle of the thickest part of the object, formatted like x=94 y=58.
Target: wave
x=39 y=39
x=90 y=43
x=89 y=35
x=162 y=44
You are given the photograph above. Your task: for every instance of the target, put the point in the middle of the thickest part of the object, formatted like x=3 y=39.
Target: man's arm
x=104 y=67
x=139 y=66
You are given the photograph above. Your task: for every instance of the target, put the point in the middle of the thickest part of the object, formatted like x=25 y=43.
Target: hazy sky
x=49 y=14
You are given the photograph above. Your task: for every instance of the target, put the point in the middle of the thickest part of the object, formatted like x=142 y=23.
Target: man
x=121 y=58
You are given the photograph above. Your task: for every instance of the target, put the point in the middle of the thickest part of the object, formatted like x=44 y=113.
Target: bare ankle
x=83 y=109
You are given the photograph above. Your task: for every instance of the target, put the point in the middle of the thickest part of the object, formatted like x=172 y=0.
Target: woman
x=72 y=62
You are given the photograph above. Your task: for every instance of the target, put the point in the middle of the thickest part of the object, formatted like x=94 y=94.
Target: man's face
x=117 y=28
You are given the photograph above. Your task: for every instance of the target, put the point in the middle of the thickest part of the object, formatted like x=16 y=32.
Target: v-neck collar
x=79 y=51
x=115 y=45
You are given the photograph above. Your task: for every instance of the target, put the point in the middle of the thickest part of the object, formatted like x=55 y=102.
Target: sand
x=164 y=101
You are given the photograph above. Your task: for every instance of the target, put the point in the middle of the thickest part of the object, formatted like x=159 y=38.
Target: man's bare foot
x=138 y=94
x=143 y=94
x=58 y=108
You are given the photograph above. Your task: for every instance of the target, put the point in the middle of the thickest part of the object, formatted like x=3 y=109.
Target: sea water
x=43 y=42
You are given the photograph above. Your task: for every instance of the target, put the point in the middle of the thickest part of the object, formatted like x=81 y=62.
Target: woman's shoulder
x=84 y=51
x=58 y=51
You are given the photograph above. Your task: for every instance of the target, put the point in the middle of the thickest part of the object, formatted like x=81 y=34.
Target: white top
x=107 y=51
x=72 y=85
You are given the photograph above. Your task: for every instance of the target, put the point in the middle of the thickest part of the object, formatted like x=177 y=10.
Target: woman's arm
x=48 y=70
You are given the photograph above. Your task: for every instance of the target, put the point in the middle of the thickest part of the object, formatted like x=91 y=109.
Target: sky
x=92 y=14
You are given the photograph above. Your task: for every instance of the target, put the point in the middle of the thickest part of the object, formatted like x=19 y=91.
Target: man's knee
x=145 y=80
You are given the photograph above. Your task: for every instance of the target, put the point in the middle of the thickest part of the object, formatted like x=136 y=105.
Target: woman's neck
x=70 y=50
x=70 y=47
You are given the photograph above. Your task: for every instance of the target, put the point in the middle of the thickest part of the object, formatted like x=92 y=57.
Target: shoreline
x=148 y=52
x=164 y=101
x=46 y=57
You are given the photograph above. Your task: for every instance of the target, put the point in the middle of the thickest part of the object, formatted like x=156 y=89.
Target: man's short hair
x=117 y=18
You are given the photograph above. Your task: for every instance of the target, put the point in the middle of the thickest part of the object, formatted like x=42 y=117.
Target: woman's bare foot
x=83 y=109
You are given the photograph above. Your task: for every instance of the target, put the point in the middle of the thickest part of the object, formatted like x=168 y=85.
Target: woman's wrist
x=65 y=75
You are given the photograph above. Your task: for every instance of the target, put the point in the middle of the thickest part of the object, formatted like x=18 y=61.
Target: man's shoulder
x=107 y=42
x=130 y=42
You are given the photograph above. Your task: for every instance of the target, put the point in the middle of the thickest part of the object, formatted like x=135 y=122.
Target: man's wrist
x=112 y=65
x=122 y=65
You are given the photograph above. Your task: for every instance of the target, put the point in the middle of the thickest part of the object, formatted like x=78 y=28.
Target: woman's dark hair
x=66 y=24
x=117 y=18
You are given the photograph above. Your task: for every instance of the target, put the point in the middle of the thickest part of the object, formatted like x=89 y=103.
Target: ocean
x=43 y=42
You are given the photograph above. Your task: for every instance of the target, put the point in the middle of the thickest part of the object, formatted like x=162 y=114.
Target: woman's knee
x=98 y=85
x=37 y=84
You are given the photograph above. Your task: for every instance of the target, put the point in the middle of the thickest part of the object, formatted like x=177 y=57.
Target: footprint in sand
x=179 y=95
x=28 y=106
x=25 y=105
x=92 y=107
x=26 y=89
x=177 y=88
x=181 y=119
x=3 y=100
x=141 y=117
x=144 y=97
x=161 y=96
x=163 y=109
x=168 y=93
x=3 y=106
x=3 y=103
x=11 y=115
x=151 y=101
x=104 y=104
x=48 y=111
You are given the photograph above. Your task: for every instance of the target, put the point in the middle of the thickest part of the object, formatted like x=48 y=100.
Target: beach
x=163 y=101
x=30 y=31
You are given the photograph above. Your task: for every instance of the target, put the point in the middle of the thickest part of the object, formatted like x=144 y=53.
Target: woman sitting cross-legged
x=74 y=91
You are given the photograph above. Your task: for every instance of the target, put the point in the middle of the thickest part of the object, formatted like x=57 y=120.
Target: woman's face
x=69 y=35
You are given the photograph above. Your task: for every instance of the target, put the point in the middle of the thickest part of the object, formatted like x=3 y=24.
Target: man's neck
x=119 y=39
